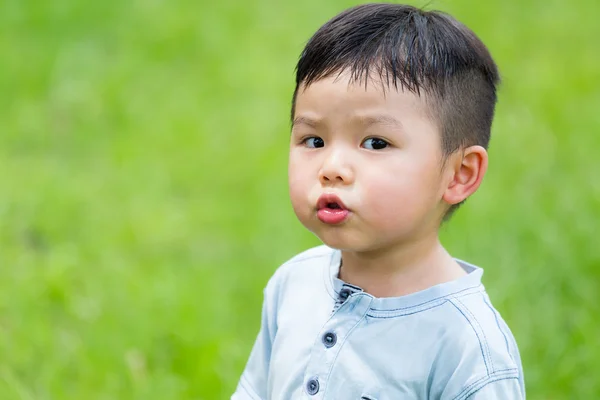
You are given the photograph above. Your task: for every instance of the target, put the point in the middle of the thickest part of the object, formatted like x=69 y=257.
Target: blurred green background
x=143 y=192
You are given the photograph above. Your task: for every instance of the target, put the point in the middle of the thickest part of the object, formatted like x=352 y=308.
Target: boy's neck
x=401 y=270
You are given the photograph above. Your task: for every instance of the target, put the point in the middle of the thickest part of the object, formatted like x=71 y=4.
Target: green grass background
x=143 y=197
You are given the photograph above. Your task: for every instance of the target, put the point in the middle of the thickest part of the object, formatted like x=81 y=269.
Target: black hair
x=426 y=52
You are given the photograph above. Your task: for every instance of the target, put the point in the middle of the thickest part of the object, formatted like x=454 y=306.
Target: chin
x=344 y=236
x=339 y=240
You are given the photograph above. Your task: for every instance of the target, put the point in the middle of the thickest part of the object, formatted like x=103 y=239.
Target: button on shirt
x=322 y=338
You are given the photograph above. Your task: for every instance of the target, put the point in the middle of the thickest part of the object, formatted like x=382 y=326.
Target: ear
x=467 y=169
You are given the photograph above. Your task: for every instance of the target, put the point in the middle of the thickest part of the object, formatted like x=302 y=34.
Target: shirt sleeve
x=253 y=382
x=504 y=389
x=465 y=373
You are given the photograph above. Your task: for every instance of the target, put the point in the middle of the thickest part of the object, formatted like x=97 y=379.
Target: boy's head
x=394 y=102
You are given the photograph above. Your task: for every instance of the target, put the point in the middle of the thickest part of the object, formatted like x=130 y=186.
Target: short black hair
x=418 y=50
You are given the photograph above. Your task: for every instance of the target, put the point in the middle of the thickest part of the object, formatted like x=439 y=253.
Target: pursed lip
x=329 y=198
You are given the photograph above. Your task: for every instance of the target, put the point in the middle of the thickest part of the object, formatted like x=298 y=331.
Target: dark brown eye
x=314 y=142
x=375 y=144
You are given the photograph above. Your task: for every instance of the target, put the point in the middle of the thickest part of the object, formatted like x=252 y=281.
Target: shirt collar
x=471 y=280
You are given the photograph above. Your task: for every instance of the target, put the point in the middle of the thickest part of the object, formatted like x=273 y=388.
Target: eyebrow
x=365 y=121
x=305 y=121
x=379 y=120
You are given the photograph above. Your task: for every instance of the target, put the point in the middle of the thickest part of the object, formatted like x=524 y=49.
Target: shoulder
x=489 y=334
x=308 y=262
x=314 y=254
x=477 y=349
x=305 y=268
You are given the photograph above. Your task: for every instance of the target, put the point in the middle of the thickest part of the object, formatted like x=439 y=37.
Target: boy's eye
x=314 y=142
x=375 y=144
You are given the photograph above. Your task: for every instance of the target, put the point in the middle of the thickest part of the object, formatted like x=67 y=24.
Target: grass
x=144 y=201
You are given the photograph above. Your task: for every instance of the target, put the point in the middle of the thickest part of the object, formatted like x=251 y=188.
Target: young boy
x=391 y=120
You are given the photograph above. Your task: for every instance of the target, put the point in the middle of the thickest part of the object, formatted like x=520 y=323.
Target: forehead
x=342 y=96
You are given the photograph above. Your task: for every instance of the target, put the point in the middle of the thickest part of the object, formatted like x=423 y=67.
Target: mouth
x=331 y=210
x=330 y=201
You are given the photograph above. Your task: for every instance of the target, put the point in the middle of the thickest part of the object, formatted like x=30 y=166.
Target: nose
x=336 y=168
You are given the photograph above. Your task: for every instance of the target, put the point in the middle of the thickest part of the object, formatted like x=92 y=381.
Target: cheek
x=296 y=196
x=405 y=190
x=298 y=181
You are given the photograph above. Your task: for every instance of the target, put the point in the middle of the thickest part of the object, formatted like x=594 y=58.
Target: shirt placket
x=352 y=307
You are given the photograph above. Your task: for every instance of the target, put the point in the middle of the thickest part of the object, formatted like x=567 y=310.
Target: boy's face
x=365 y=166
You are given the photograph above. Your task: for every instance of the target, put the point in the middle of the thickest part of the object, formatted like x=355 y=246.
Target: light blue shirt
x=323 y=339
